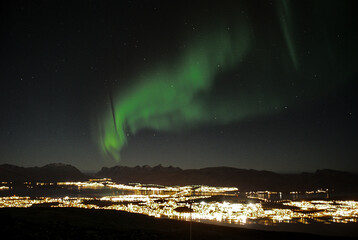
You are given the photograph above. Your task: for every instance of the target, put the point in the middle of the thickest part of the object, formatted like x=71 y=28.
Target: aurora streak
x=167 y=99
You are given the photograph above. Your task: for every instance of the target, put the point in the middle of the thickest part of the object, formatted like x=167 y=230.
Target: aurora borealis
x=166 y=99
x=175 y=95
x=251 y=84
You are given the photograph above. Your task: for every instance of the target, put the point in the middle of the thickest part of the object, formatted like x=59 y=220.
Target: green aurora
x=285 y=17
x=178 y=95
x=167 y=98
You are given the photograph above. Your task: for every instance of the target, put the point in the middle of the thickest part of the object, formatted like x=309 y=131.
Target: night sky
x=267 y=85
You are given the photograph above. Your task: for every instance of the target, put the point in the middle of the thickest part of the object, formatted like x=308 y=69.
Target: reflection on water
x=100 y=188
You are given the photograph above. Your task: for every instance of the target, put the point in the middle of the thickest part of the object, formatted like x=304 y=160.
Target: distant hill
x=49 y=173
x=245 y=180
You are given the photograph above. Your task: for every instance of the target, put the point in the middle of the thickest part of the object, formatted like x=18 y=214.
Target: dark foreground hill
x=72 y=223
x=245 y=180
x=49 y=173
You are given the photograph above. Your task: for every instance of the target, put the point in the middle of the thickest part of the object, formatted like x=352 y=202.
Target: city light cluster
x=197 y=203
x=106 y=182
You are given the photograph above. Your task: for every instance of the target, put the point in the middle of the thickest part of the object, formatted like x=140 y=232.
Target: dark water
x=58 y=191
x=55 y=191
x=293 y=197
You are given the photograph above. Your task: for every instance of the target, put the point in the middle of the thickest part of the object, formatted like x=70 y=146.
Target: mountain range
x=244 y=179
x=54 y=172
